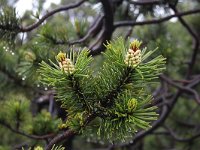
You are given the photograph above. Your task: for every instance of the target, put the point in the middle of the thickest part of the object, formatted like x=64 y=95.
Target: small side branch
x=67 y=134
x=36 y=137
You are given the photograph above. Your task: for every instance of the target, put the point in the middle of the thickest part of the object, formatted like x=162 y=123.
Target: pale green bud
x=132 y=104
x=38 y=148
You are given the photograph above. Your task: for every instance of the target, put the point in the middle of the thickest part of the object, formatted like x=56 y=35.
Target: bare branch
x=108 y=24
x=186 y=124
x=181 y=139
x=146 y=2
x=129 y=32
x=183 y=88
x=97 y=40
x=89 y=33
x=154 y=21
x=67 y=134
x=195 y=41
x=63 y=8
x=36 y=137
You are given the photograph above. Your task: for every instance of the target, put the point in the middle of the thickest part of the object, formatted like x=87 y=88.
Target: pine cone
x=65 y=63
x=133 y=56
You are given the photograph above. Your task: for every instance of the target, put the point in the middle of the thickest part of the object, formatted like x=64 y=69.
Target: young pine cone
x=65 y=63
x=133 y=56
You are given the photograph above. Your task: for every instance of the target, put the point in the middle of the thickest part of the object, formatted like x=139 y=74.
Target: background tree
x=30 y=114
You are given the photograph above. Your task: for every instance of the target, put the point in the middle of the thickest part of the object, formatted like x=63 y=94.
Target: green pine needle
x=117 y=94
x=9 y=24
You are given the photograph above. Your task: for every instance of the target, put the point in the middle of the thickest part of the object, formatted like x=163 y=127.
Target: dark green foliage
x=107 y=94
x=15 y=111
x=29 y=63
x=121 y=122
x=52 y=37
x=43 y=124
x=9 y=24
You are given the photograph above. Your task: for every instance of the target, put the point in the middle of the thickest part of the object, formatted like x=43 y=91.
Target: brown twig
x=183 y=88
x=146 y=2
x=181 y=139
x=49 y=14
x=154 y=21
x=67 y=134
x=195 y=40
x=89 y=33
x=36 y=137
x=108 y=26
x=98 y=40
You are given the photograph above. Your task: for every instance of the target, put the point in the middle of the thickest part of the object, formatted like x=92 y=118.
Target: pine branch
x=108 y=100
x=75 y=85
x=10 y=26
x=70 y=85
x=117 y=95
x=166 y=110
x=121 y=83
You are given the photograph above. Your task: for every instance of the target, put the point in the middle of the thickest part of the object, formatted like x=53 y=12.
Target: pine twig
x=67 y=134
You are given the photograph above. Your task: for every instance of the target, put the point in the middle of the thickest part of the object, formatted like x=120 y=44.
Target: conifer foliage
x=116 y=97
x=9 y=24
x=51 y=88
